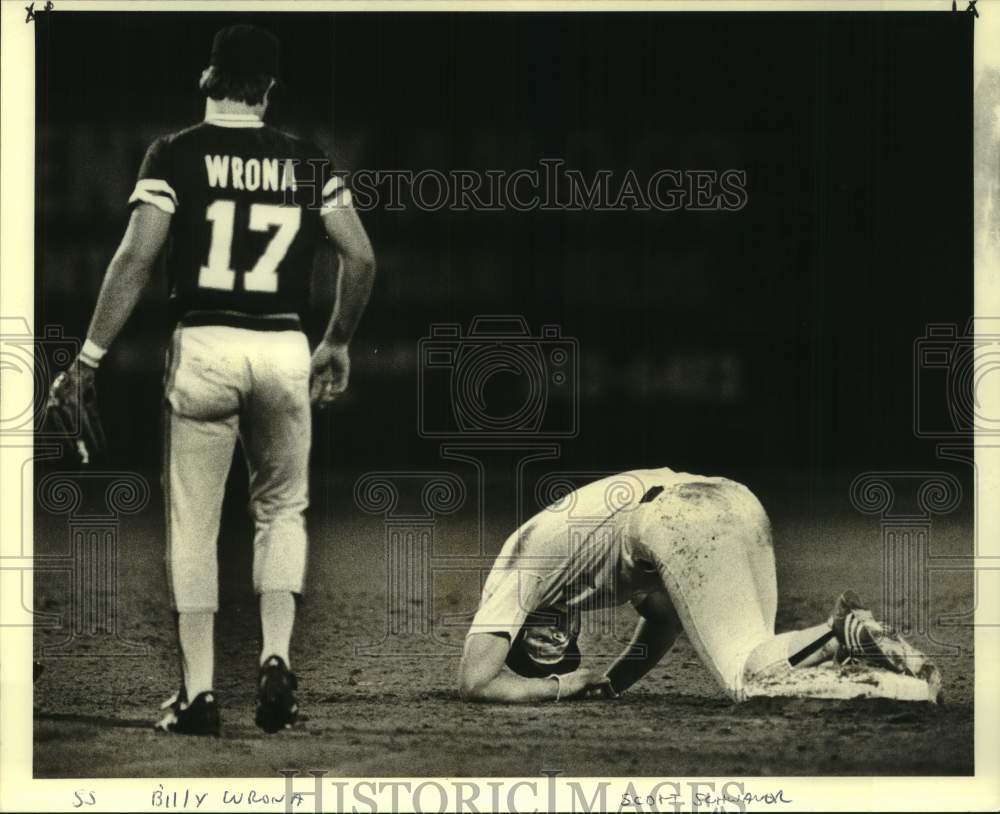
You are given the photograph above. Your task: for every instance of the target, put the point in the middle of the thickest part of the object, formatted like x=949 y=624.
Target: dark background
x=775 y=343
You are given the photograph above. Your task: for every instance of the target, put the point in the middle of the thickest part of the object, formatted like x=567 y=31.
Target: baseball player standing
x=245 y=205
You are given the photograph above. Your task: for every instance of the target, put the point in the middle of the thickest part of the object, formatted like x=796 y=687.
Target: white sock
x=777 y=652
x=195 y=631
x=277 y=616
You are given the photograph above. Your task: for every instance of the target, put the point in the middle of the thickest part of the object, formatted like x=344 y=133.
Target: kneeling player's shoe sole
x=277 y=707
x=200 y=717
x=862 y=638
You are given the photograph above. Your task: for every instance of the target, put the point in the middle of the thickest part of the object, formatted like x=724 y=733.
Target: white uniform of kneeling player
x=689 y=552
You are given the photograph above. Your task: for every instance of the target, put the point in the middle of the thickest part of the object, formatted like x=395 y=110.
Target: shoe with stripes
x=200 y=717
x=277 y=707
x=864 y=639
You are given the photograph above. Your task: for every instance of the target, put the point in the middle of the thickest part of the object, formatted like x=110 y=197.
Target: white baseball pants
x=225 y=383
x=711 y=543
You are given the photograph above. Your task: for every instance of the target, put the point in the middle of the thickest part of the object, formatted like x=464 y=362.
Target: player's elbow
x=481 y=667
x=359 y=254
x=132 y=258
x=364 y=258
x=471 y=684
x=473 y=693
x=467 y=691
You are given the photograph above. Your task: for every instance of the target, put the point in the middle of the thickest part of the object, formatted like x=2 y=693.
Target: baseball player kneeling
x=690 y=553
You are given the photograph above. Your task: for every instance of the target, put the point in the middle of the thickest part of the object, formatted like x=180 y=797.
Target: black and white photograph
x=481 y=407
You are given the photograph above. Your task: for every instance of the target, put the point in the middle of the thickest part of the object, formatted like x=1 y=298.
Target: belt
x=238 y=319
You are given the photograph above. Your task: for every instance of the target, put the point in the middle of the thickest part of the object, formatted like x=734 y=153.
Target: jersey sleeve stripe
x=156 y=185
x=157 y=199
x=340 y=200
x=331 y=186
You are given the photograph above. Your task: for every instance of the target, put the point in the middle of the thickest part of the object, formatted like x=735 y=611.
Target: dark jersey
x=246 y=201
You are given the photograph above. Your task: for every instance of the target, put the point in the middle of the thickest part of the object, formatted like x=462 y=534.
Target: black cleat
x=200 y=717
x=277 y=707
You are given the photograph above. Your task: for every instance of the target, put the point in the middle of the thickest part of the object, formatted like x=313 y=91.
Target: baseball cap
x=542 y=648
x=246 y=50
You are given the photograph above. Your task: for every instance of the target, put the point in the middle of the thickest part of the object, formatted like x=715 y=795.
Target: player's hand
x=603 y=690
x=331 y=370
x=580 y=683
x=71 y=411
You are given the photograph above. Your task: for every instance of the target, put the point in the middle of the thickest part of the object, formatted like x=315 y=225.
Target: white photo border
x=19 y=791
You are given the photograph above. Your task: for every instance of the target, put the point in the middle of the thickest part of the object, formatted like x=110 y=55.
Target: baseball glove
x=71 y=412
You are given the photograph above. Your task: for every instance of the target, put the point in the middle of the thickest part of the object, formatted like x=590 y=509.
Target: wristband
x=558 y=679
x=92 y=353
